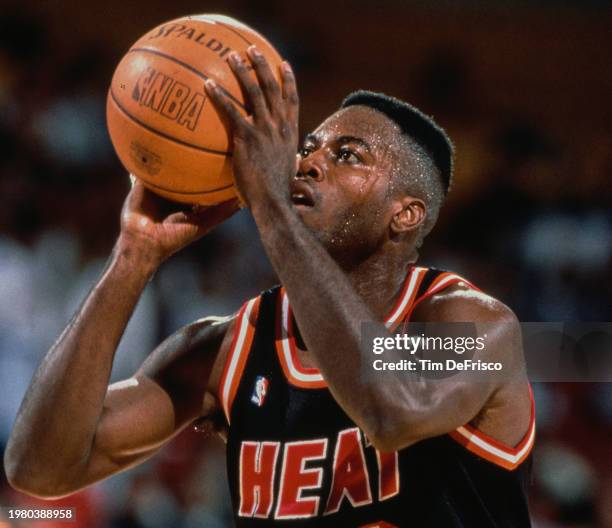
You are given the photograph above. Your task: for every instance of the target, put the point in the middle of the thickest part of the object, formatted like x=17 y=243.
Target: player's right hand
x=148 y=224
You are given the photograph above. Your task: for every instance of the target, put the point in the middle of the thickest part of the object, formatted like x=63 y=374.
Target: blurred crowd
x=529 y=218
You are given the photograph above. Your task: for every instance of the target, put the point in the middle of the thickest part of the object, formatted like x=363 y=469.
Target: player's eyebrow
x=311 y=138
x=354 y=139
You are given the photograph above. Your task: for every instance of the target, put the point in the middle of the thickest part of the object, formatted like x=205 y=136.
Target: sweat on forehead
x=383 y=135
x=363 y=122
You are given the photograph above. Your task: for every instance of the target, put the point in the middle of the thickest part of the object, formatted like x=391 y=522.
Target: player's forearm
x=328 y=308
x=56 y=424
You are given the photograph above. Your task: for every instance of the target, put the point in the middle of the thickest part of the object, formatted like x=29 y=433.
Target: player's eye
x=305 y=152
x=346 y=154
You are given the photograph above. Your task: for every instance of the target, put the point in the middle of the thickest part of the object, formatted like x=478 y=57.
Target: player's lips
x=302 y=193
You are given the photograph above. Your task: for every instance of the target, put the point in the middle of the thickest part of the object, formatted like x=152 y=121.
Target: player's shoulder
x=463 y=301
x=191 y=342
x=213 y=324
x=210 y=328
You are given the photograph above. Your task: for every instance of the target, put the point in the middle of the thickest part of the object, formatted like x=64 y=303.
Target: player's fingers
x=209 y=217
x=290 y=93
x=267 y=82
x=180 y=217
x=249 y=85
x=200 y=220
x=223 y=103
x=137 y=189
x=227 y=207
x=139 y=198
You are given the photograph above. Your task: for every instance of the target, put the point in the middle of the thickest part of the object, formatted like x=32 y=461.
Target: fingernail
x=254 y=51
x=210 y=84
x=234 y=56
x=287 y=67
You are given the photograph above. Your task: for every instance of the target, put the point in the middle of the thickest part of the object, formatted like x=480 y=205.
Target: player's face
x=344 y=178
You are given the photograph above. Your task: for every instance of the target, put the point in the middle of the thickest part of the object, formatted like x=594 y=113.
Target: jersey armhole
x=494 y=451
x=244 y=331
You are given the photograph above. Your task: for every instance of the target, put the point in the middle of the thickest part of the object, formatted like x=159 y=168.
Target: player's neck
x=380 y=278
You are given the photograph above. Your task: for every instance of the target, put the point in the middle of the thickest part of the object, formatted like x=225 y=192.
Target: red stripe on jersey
x=404 y=303
x=310 y=377
x=244 y=331
x=298 y=375
x=441 y=282
x=493 y=450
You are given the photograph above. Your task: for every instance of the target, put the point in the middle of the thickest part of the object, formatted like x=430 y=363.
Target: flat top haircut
x=421 y=128
x=426 y=140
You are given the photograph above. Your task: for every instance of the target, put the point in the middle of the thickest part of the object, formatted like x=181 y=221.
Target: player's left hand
x=265 y=142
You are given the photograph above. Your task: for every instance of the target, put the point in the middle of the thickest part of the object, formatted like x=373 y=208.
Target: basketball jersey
x=295 y=458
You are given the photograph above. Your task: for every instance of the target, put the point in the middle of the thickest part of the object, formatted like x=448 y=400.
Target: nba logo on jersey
x=259 y=391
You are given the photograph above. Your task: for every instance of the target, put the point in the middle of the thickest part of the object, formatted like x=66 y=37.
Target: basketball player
x=310 y=443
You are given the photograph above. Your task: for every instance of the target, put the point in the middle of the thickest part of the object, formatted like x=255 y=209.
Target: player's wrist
x=137 y=255
x=268 y=212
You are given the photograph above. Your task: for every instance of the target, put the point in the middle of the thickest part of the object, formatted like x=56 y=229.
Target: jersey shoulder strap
x=243 y=333
x=434 y=281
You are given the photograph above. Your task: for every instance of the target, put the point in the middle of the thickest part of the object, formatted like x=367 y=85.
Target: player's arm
x=394 y=413
x=265 y=143
x=139 y=415
x=171 y=389
x=69 y=431
x=410 y=411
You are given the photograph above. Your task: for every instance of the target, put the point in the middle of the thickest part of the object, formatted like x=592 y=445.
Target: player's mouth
x=301 y=194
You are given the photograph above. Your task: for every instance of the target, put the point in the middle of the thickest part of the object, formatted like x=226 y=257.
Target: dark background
x=522 y=87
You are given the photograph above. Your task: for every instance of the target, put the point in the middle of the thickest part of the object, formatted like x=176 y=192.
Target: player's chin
x=311 y=215
x=305 y=210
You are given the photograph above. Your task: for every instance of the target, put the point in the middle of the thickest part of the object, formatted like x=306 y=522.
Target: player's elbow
x=385 y=443
x=25 y=478
x=387 y=433
x=390 y=437
x=400 y=422
x=16 y=474
x=38 y=488
x=18 y=477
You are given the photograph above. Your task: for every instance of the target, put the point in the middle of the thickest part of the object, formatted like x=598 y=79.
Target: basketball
x=165 y=130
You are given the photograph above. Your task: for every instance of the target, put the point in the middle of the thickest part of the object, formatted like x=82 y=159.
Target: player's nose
x=309 y=168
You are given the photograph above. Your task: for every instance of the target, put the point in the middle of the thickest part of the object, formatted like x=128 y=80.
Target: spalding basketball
x=164 y=128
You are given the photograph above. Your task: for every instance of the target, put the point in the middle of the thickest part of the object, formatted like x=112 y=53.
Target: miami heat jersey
x=296 y=459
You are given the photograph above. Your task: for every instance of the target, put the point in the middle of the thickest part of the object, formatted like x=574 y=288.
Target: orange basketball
x=164 y=128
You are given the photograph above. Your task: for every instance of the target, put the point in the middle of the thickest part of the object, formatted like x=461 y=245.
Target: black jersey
x=295 y=458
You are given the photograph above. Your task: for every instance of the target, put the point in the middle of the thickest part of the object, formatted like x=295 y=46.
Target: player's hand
x=265 y=142
x=149 y=225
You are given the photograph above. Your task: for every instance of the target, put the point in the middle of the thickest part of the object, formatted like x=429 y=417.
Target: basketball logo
x=259 y=391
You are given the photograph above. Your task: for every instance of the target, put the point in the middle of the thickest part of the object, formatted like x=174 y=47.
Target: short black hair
x=421 y=128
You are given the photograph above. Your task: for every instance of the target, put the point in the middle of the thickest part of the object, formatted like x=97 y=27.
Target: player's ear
x=408 y=214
